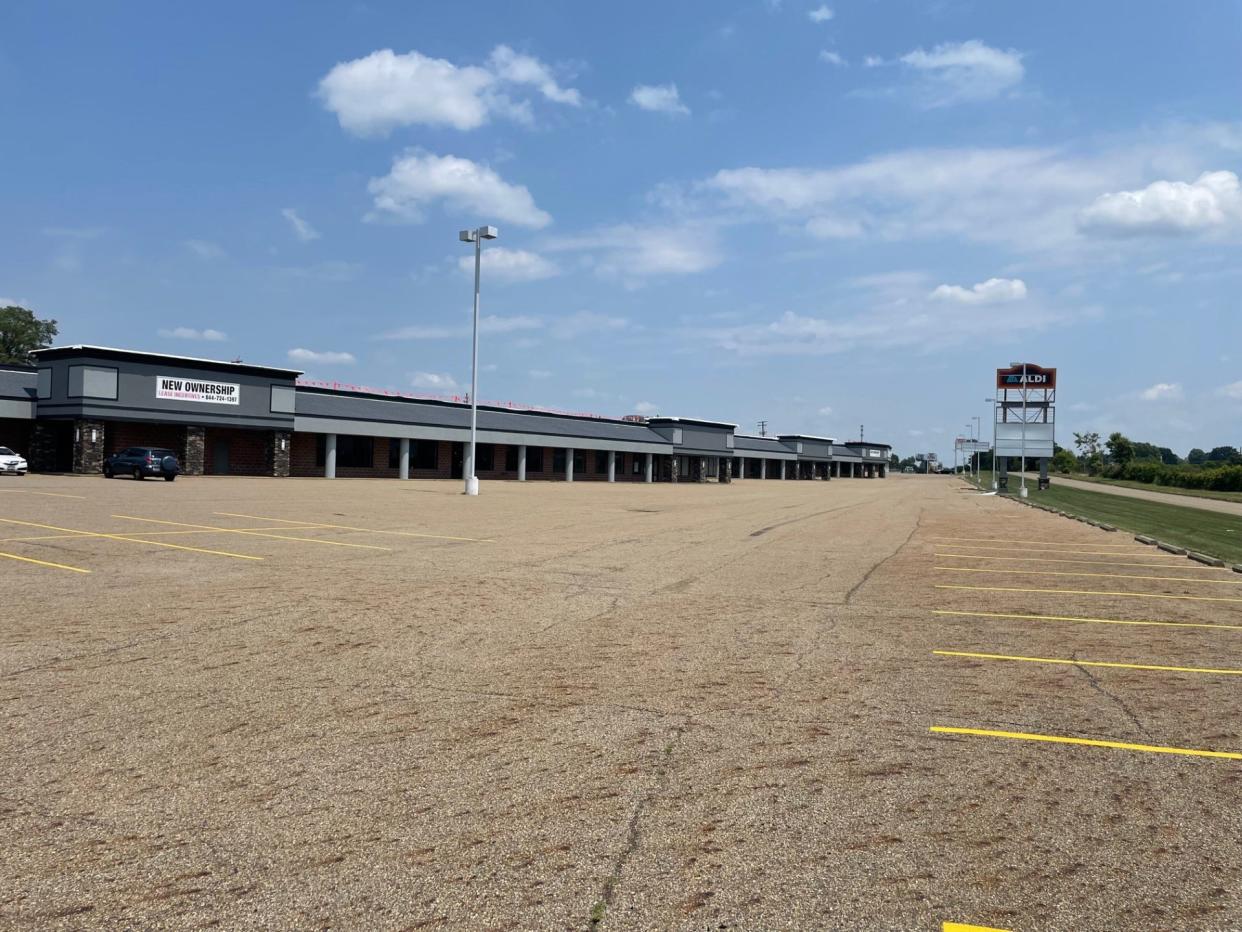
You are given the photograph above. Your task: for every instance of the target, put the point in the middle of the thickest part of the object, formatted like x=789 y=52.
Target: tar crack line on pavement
x=1121 y=704
x=633 y=834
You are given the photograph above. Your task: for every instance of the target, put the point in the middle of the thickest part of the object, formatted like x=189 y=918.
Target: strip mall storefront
x=83 y=403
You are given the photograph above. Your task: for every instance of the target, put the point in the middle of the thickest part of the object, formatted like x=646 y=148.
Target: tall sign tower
x=1026 y=396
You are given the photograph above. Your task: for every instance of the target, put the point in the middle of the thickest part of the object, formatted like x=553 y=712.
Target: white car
x=10 y=462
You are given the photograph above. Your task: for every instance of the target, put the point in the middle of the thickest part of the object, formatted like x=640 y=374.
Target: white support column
x=782 y=469
x=329 y=456
x=612 y=466
x=522 y=463
x=569 y=465
x=403 y=468
x=741 y=467
x=647 y=477
x=763 y=469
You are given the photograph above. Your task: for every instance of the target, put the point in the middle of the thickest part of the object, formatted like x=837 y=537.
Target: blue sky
x=819 y=215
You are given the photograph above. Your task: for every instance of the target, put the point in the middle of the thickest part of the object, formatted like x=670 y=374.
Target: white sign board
x=1039 y=440
x=974 y=446
x=175 y=388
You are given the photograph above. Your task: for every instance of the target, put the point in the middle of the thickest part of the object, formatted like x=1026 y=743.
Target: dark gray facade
x=80 y=402
x=102 y=383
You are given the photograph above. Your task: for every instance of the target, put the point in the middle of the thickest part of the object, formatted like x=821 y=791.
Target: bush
x=1216 y=479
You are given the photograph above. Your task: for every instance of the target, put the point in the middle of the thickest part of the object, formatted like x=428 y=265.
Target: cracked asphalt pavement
x=604 y=707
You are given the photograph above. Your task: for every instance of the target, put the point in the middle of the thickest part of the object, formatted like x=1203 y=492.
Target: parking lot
x=378 y=704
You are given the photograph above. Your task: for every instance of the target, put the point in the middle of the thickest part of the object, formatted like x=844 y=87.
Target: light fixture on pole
x=1023 y=492
x=979 y=460
x=476 y=237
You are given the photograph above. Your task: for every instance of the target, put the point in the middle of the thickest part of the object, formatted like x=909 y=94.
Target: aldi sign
x=1034 y=377
x=179 y=389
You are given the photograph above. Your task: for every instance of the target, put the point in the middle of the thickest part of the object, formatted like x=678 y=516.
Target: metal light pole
x=476 y=237
x=993 y=403
x=978 y=458
x=1023 y=492
x=970 y=469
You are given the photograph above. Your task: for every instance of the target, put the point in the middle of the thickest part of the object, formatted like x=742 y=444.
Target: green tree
x=1088 y=445
x=1064 y=461
x=1223 y=455
x=1120 y=448
x=1196 y=457
x=1168 y=457
x=21 y=333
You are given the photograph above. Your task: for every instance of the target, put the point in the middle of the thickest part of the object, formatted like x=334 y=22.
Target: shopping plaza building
x=78 y=404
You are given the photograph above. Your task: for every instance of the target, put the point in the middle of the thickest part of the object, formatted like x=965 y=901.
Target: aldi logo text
x=177 y=389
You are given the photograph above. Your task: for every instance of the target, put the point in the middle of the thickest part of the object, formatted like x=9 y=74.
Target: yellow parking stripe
x=1127 y=595
x=1086 y=663
x=229 y=530
x=1088 y=742
x=1095 y=621
x=1172 y=561
x=59 y=566
x=131 y=540
x=1006 y=572
x=48 y=494
x=1080 y=553
x=1025 y=543
x=10 y=540
x=963 y=927
x=367 y=530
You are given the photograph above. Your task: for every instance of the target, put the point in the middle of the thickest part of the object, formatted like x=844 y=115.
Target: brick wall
x=247 y=452
x=15 y=435
x=121 y=434
x=304 y=461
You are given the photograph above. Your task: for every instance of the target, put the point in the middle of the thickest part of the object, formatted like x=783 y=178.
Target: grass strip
x=1208 y=532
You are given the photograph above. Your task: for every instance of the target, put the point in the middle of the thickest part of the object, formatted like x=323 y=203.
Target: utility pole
x=763 y=428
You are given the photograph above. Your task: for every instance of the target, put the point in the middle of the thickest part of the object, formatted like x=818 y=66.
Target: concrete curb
x=1143 y=539
x=1237 y=567
x=1204 y=558
x=1169 y=548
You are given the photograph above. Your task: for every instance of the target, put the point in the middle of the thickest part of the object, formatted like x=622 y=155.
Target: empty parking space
x=765 y=705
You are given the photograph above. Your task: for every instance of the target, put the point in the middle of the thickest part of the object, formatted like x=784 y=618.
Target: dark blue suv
x=141 y=462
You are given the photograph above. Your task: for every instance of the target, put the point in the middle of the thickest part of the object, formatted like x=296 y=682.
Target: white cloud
x=1162 y=391
x=832 y=58
x=539 y=374
x=204 y=249
x=659 y=98
x=1232 y=390
x=821 y=14
x=993 y=291
x=575 y=325
x=303 y=230
x=633 y=253
x=516 y=68
x=825 y=411
x=334 y=270
x=384 y=90
x=956 y=72
x=896 y=315
x=436 y=381
x=419 y=179
x=488 y=323
x=510 y=265
x=646 y=407
x=1026 y=197
x=328 y=357
x=1212 y=201
x=190 y=333
x=872 y=61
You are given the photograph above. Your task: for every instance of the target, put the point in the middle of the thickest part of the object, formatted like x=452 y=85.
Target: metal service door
x=220 y=457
